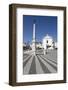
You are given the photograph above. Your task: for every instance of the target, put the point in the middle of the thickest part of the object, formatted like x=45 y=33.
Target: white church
x=48 y=42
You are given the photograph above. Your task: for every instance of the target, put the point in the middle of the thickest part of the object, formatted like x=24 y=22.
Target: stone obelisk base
x=33 y=48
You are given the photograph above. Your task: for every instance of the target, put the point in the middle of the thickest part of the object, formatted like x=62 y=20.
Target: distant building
x=48 y=42
x=38 y=45
x=24 y=44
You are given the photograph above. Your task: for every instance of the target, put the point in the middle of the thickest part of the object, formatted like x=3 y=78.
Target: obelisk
x=33 y=41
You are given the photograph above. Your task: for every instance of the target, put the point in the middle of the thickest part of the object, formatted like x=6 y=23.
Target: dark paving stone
x=25 y=55
x=26 y=61
x=33 y=67
x=50 y=64
x=45 y=69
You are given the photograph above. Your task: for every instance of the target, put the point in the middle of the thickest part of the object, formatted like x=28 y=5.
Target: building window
x=47 y=41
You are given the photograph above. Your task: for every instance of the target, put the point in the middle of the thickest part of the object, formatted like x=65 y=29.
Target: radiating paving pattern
x=40 y=63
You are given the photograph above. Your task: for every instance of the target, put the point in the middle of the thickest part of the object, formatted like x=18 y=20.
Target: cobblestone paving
x=40 y=63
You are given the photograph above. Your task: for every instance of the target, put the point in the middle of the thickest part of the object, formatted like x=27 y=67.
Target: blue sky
x=44 y=25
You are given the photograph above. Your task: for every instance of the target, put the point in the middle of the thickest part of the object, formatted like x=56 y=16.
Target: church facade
x=48 y=42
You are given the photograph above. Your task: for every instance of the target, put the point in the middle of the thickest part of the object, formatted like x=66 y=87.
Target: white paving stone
x=49 y=61
x=50 y=68
x=28 y=65
x=26 y=58
x=38 y=66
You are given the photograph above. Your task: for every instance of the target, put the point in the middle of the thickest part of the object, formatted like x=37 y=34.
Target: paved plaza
x=39 y=63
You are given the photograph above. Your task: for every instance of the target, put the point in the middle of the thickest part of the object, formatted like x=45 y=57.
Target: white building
x=48 y=42
x=39 y=45
x=56 y=46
